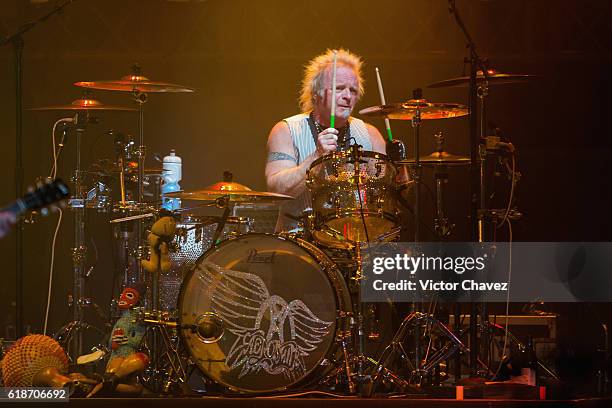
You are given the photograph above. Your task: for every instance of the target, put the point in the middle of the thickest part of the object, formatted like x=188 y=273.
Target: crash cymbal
x=235 y=191
x=493 y=78
x=441 y=157
x=406 y=110
x=134 y=82
x=85 y=104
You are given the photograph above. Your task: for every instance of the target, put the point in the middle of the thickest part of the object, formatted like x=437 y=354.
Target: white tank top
x=304 y=145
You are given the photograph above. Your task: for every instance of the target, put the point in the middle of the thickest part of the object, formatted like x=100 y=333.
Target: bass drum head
x=258 y=312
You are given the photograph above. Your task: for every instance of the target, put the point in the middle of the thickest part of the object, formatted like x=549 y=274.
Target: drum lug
x=198 y=233
x=336 y=204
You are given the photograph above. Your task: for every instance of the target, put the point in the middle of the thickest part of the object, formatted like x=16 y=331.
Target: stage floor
x=347 y=402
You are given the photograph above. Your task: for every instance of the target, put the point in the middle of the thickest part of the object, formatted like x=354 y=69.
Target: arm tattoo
x=275 y=156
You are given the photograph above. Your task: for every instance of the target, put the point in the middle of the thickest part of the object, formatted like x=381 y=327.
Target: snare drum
x=353 y=196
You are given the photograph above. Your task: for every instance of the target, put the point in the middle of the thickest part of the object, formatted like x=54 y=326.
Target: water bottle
x=172 y=174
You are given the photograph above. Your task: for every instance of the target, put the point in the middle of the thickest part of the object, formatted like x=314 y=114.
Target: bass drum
x=260 y=313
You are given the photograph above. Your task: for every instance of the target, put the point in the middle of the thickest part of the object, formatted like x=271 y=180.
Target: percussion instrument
x=261 y=313
x=353 y=196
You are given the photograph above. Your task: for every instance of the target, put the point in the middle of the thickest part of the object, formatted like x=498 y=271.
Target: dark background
x=245 y=59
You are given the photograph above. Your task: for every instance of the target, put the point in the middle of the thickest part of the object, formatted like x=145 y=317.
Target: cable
x=52 y=175
x=56 y=153
x=501 y=360
x=513 y=183
x=57 y=227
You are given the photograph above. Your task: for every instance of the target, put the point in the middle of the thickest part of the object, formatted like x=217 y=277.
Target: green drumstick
x=332 y=117
x=382 y=102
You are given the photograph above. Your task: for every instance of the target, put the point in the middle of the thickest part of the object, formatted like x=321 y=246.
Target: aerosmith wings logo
x=272 y=334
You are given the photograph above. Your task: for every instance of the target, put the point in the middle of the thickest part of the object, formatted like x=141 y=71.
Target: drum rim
x=345 y=153
x=358 y=212
x=324 y=261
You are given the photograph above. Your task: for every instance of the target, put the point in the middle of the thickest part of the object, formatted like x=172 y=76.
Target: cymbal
x=235 y=191
x=406 y=110
x=440 y=157
x=85 y=104
x=134 y=82
x=493 y=78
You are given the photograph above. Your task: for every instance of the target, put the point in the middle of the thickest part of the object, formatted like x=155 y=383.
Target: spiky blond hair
x=314 y=74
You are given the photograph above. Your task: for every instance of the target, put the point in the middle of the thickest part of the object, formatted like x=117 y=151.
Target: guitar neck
x=17 y=208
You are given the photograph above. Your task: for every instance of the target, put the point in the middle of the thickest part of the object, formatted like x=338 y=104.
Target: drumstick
x=332 y=117
x=382 y=102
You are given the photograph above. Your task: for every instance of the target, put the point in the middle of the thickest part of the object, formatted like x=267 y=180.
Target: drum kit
x=259 y=312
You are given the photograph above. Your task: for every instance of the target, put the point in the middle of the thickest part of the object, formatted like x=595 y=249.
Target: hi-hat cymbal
x=407 y=110
x=130 y=83
x=493 y=78
x=85 y=104
x=440 y=157
x=235 y=191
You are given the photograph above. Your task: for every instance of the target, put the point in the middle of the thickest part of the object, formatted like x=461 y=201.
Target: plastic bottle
x=172 y=174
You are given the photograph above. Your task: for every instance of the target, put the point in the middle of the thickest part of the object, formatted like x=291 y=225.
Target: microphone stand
x=477 y=195
x=18 y=44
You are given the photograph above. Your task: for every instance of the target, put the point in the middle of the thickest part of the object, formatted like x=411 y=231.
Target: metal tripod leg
x=420 y=369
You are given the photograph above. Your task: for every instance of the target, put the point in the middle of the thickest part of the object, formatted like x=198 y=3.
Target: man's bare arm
x=283 y=174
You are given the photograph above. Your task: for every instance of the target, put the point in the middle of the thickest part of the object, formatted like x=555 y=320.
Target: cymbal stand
x=476 y=194
x=442 y=227
x=140 y=98
x=72 y=333
x=416 y=125
x=222 y=202
x=167 y=372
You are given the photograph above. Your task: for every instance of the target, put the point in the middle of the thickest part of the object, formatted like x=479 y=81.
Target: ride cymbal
x=493 y=78
x=407 y=110
x=85 y=104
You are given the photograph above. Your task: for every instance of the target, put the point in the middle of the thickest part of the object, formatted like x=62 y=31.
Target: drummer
x=296 y=142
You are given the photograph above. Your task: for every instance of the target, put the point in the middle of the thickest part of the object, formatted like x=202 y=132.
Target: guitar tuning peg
x=44 y=211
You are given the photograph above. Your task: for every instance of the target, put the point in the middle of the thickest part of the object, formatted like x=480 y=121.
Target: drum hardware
x=157 y=317
x=442 y=226
x=416 y=110
x=421 y=367
x=138 y=86
x=476 y=93
x=132 y=218
x=385 y=375
x=168 y=367
x=72 y=333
